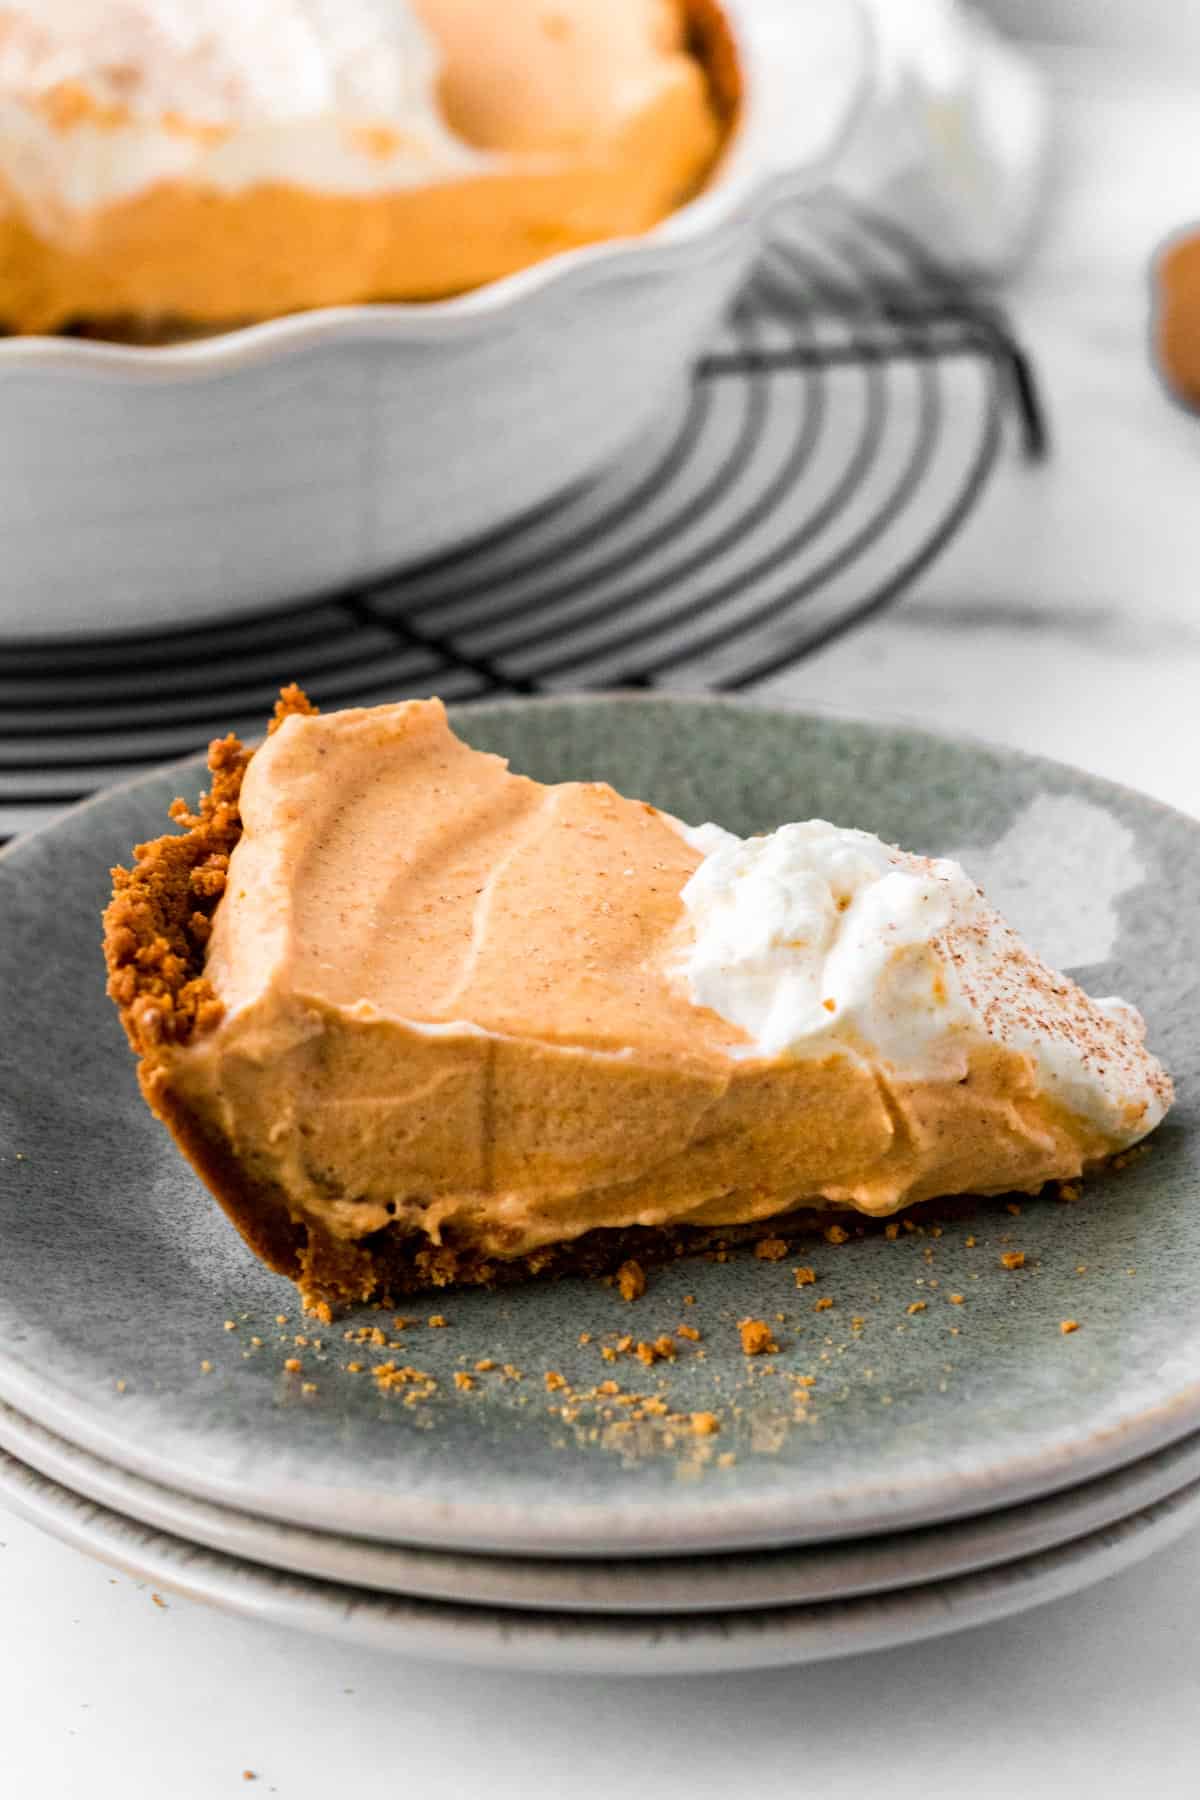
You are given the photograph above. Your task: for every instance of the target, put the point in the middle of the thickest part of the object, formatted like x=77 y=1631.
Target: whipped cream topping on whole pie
x=216 y=160
x=100 y=101
x=449 y=1018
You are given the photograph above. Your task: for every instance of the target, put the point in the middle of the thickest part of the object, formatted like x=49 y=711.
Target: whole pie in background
x=168 y=166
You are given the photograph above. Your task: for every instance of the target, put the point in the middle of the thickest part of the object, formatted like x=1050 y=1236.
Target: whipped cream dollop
x=100 y=99
x=817 y=938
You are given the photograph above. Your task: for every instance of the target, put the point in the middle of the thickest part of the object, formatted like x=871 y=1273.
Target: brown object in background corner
x=1177 y=316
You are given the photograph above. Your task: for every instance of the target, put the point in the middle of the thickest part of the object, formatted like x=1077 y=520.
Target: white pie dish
x=154 y=486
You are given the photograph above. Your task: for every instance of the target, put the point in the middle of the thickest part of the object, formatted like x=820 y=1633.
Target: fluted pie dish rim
x=767 y=155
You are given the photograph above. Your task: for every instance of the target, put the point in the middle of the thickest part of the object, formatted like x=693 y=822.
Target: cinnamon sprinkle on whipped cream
x=815 y=937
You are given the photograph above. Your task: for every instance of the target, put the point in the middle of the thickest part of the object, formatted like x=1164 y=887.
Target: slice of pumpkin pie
x=415 y=1019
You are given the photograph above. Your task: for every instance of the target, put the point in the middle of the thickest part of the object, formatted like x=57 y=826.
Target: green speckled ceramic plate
x=811 y=1574
x=117 y=1273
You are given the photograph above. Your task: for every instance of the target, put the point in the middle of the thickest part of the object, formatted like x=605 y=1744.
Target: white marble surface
x=107 y=1694
x=1066 y=620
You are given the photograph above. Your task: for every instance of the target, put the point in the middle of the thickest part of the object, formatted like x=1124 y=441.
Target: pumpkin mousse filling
x=416 y=1019
x=171 y=167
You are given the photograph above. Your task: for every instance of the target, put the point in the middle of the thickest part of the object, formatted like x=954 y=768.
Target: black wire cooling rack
x=830 y=444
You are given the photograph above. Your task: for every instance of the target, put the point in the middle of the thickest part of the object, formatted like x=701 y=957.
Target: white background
x=1066 y=620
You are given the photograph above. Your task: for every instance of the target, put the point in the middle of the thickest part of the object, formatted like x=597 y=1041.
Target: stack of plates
x=905 y=1464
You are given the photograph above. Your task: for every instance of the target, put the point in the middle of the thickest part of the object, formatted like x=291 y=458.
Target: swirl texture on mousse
x=466 y=1011
x=212 y=161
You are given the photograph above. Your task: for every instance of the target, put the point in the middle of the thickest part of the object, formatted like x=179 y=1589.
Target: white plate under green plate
x=583 y=1643
x=815 y=1574
x=117 y=1271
